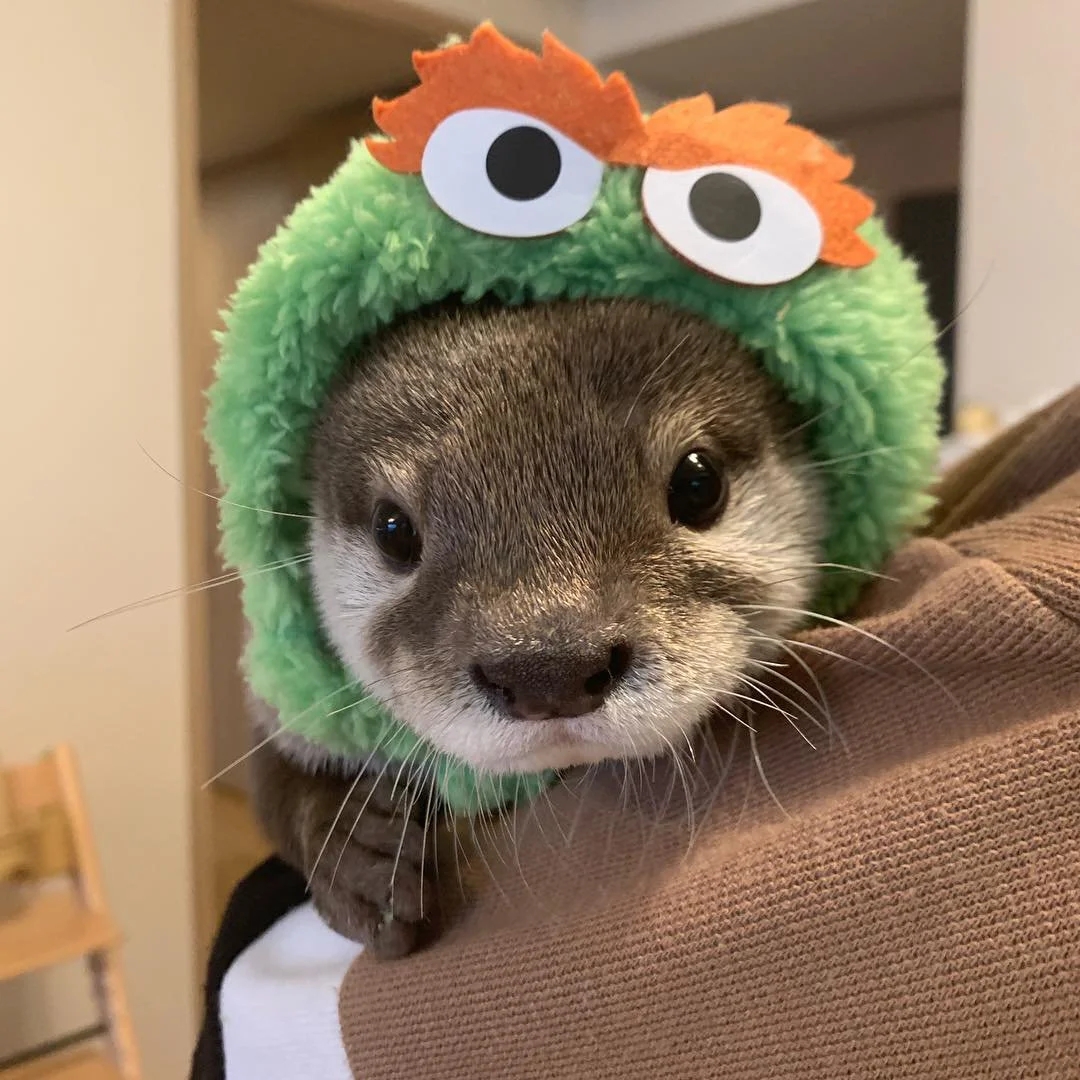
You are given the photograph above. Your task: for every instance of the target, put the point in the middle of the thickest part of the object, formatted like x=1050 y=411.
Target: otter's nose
x=546 y=684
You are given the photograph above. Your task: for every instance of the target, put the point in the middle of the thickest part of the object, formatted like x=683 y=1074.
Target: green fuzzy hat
x=852 y=347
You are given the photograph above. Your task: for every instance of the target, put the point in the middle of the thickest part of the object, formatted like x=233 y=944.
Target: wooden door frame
x=194 y=341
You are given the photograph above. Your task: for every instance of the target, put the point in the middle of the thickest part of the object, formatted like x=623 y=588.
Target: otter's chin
x=500 y=746
x=558 y=757
x=532 y=745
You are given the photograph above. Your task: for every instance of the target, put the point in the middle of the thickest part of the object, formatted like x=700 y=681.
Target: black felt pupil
x=524 y=163
x=697 y=491
x=725 y=206
x=396 y=535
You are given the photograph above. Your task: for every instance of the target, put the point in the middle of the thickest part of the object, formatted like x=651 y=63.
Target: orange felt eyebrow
x=691 y=134
x=489 y=71
x=564 y=90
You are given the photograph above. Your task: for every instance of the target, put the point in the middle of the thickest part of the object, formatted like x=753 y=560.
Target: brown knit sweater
x=902 y=900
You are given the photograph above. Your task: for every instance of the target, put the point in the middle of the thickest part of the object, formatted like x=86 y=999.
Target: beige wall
x=1021 y=207
x=88 y=295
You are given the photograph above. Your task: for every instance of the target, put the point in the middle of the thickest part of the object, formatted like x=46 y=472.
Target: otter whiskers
x=863 y=632
x=226 y=578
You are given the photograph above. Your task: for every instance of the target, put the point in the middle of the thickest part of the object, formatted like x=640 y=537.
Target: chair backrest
x=44 y=806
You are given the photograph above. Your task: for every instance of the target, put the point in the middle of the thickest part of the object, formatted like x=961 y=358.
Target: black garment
x=267 y=894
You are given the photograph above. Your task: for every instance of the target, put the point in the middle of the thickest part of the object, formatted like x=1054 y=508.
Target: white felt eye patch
x=507 y=174
x=739 y=223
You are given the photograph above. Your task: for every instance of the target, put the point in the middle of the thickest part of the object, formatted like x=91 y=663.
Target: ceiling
x=831 y=60
x=266 y=65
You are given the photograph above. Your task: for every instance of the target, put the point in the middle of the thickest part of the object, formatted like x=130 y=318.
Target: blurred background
x=150 y=146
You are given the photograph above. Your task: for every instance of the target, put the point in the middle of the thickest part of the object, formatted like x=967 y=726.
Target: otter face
x=537 y=529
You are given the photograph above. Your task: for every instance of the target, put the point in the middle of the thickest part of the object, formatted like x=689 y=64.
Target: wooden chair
x=47 y=849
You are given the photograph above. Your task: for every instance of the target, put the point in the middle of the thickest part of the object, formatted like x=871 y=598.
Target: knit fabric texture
x=855 y=349
x=913 y=910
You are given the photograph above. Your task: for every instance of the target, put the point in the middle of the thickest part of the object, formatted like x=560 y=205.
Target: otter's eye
x=741 y=224
x=396 y=535
x=697 y=491
x=506 y=174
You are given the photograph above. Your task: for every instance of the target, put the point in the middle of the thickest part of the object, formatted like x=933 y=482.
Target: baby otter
x=536 y=533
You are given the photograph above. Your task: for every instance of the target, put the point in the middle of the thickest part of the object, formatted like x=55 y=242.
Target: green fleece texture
x=855 y=349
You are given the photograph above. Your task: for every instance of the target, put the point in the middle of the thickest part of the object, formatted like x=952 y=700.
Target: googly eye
x=507 y=174
x=739 y=223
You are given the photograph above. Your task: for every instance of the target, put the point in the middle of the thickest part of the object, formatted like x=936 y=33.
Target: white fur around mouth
x=554 y=744
x=524 y=746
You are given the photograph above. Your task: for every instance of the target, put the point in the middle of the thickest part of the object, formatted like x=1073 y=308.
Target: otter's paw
x=370 y=876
